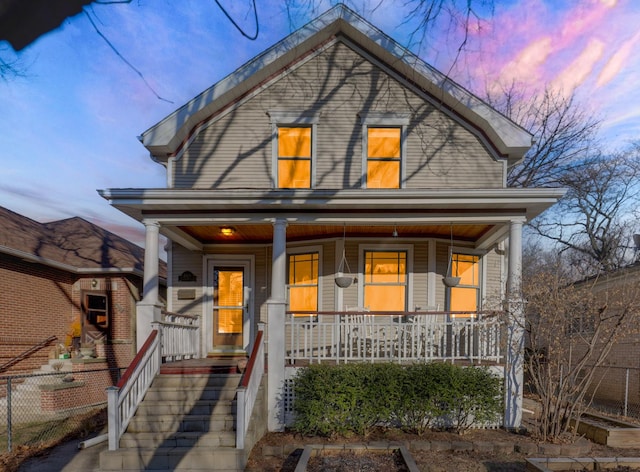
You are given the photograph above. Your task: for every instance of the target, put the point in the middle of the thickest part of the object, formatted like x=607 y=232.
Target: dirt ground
x=427 y=461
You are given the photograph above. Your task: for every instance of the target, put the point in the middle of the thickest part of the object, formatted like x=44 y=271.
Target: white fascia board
x=260 y=204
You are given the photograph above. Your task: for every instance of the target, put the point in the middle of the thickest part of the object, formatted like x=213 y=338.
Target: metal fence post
x=9 y=414
x=626 y=392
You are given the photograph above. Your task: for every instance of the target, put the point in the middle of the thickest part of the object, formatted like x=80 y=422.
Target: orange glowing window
x=383 y=157
x=465 y=296
x=294 y=157
x=385 y=280
x=228 y=298
x=303 y=282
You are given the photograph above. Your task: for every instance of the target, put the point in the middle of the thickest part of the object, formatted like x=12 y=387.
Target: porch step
x=186 y=422
x=174 y=458
x=181 y=422
x=178 y=439
x=195 y=407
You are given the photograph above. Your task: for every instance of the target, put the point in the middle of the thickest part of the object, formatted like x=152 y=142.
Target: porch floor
x=208 y=365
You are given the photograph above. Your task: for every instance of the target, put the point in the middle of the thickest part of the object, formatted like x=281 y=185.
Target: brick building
x=63 y=280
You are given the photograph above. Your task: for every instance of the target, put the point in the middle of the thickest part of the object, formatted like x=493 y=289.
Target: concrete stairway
x=185 y=423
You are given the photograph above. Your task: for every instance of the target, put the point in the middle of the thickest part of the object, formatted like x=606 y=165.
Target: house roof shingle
x=73 y=244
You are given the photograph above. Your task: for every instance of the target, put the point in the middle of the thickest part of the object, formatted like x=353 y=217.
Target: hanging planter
x=449 y=280
x=342 y=280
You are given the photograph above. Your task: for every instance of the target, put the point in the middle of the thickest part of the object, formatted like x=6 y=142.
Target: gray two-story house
x=350 y=197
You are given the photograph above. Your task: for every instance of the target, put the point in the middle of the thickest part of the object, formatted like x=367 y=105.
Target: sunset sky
x=70 y=122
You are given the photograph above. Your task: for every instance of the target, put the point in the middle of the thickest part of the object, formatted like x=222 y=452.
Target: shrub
x=353 y=398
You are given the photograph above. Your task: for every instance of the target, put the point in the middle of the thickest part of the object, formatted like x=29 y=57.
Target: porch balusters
x=348 y=336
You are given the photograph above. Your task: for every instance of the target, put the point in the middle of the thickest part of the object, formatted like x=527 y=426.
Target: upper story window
x=384 y=149
x=294 y=157
x=294 y=144
x=383 y=157
x=466 y=295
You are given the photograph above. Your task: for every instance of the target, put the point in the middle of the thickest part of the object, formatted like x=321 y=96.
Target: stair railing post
x=240 y=417
x=113 y=417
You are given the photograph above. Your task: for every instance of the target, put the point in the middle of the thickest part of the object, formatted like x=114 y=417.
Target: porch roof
x=190 y=216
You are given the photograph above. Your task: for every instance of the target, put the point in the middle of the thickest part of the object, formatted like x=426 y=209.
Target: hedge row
x=353 y=398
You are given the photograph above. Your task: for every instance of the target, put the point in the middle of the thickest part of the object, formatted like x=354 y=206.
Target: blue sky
x=70 y=124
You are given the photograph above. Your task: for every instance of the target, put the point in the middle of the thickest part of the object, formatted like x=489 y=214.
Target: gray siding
x=235 y=151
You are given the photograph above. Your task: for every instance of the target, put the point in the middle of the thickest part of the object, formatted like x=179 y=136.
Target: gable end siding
x=235 y=151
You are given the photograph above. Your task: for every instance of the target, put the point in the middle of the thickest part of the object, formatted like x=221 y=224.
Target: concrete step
x=190 y=395
x=188 y=423
x=196 y=381
x=174 y=458
x=178 y=439
x=193 y=407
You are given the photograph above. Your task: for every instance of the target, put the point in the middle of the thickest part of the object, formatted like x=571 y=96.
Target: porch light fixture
x=227 y=231
x=395 y=232
x=341 y=280
x=449 y=280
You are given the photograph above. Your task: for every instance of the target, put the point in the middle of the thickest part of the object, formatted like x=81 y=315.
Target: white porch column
x=276 y=306
x=515 y=330
x=148 y=309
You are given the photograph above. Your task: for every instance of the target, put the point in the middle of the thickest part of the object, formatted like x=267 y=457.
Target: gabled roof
x=72 y=244
x=166 y=138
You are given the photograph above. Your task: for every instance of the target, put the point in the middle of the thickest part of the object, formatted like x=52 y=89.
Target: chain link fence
x=36 y=409
x=616 y=391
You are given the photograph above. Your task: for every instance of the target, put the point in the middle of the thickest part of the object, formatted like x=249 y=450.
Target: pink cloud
x=581 y=68
x=618 y=61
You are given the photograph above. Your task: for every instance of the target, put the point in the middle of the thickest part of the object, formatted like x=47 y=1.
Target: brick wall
x=35 y=304
x=38 y=301
x=90 y=380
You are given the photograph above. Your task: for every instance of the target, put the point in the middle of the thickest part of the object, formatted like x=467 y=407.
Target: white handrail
x=248 y=388
x=124 y=398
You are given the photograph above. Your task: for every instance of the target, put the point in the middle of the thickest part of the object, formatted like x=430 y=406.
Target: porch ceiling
x=263 y=233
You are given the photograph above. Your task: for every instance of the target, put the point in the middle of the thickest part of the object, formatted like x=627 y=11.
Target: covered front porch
x=266 y=231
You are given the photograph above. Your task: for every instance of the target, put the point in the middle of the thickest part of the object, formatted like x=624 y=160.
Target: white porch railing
x=350 y=336
x=124 y=398
x=173 y=338
x=248 y=387
x=180 y=336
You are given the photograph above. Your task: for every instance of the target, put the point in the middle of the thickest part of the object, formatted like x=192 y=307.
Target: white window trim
x=291 y=118
x=408 y=248
x=385 y=119
x=307 y=250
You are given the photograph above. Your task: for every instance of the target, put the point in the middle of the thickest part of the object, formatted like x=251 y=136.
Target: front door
x=227 y=326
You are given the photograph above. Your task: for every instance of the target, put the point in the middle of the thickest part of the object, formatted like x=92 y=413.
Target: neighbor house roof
x=168 y=137
x=72 y=244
